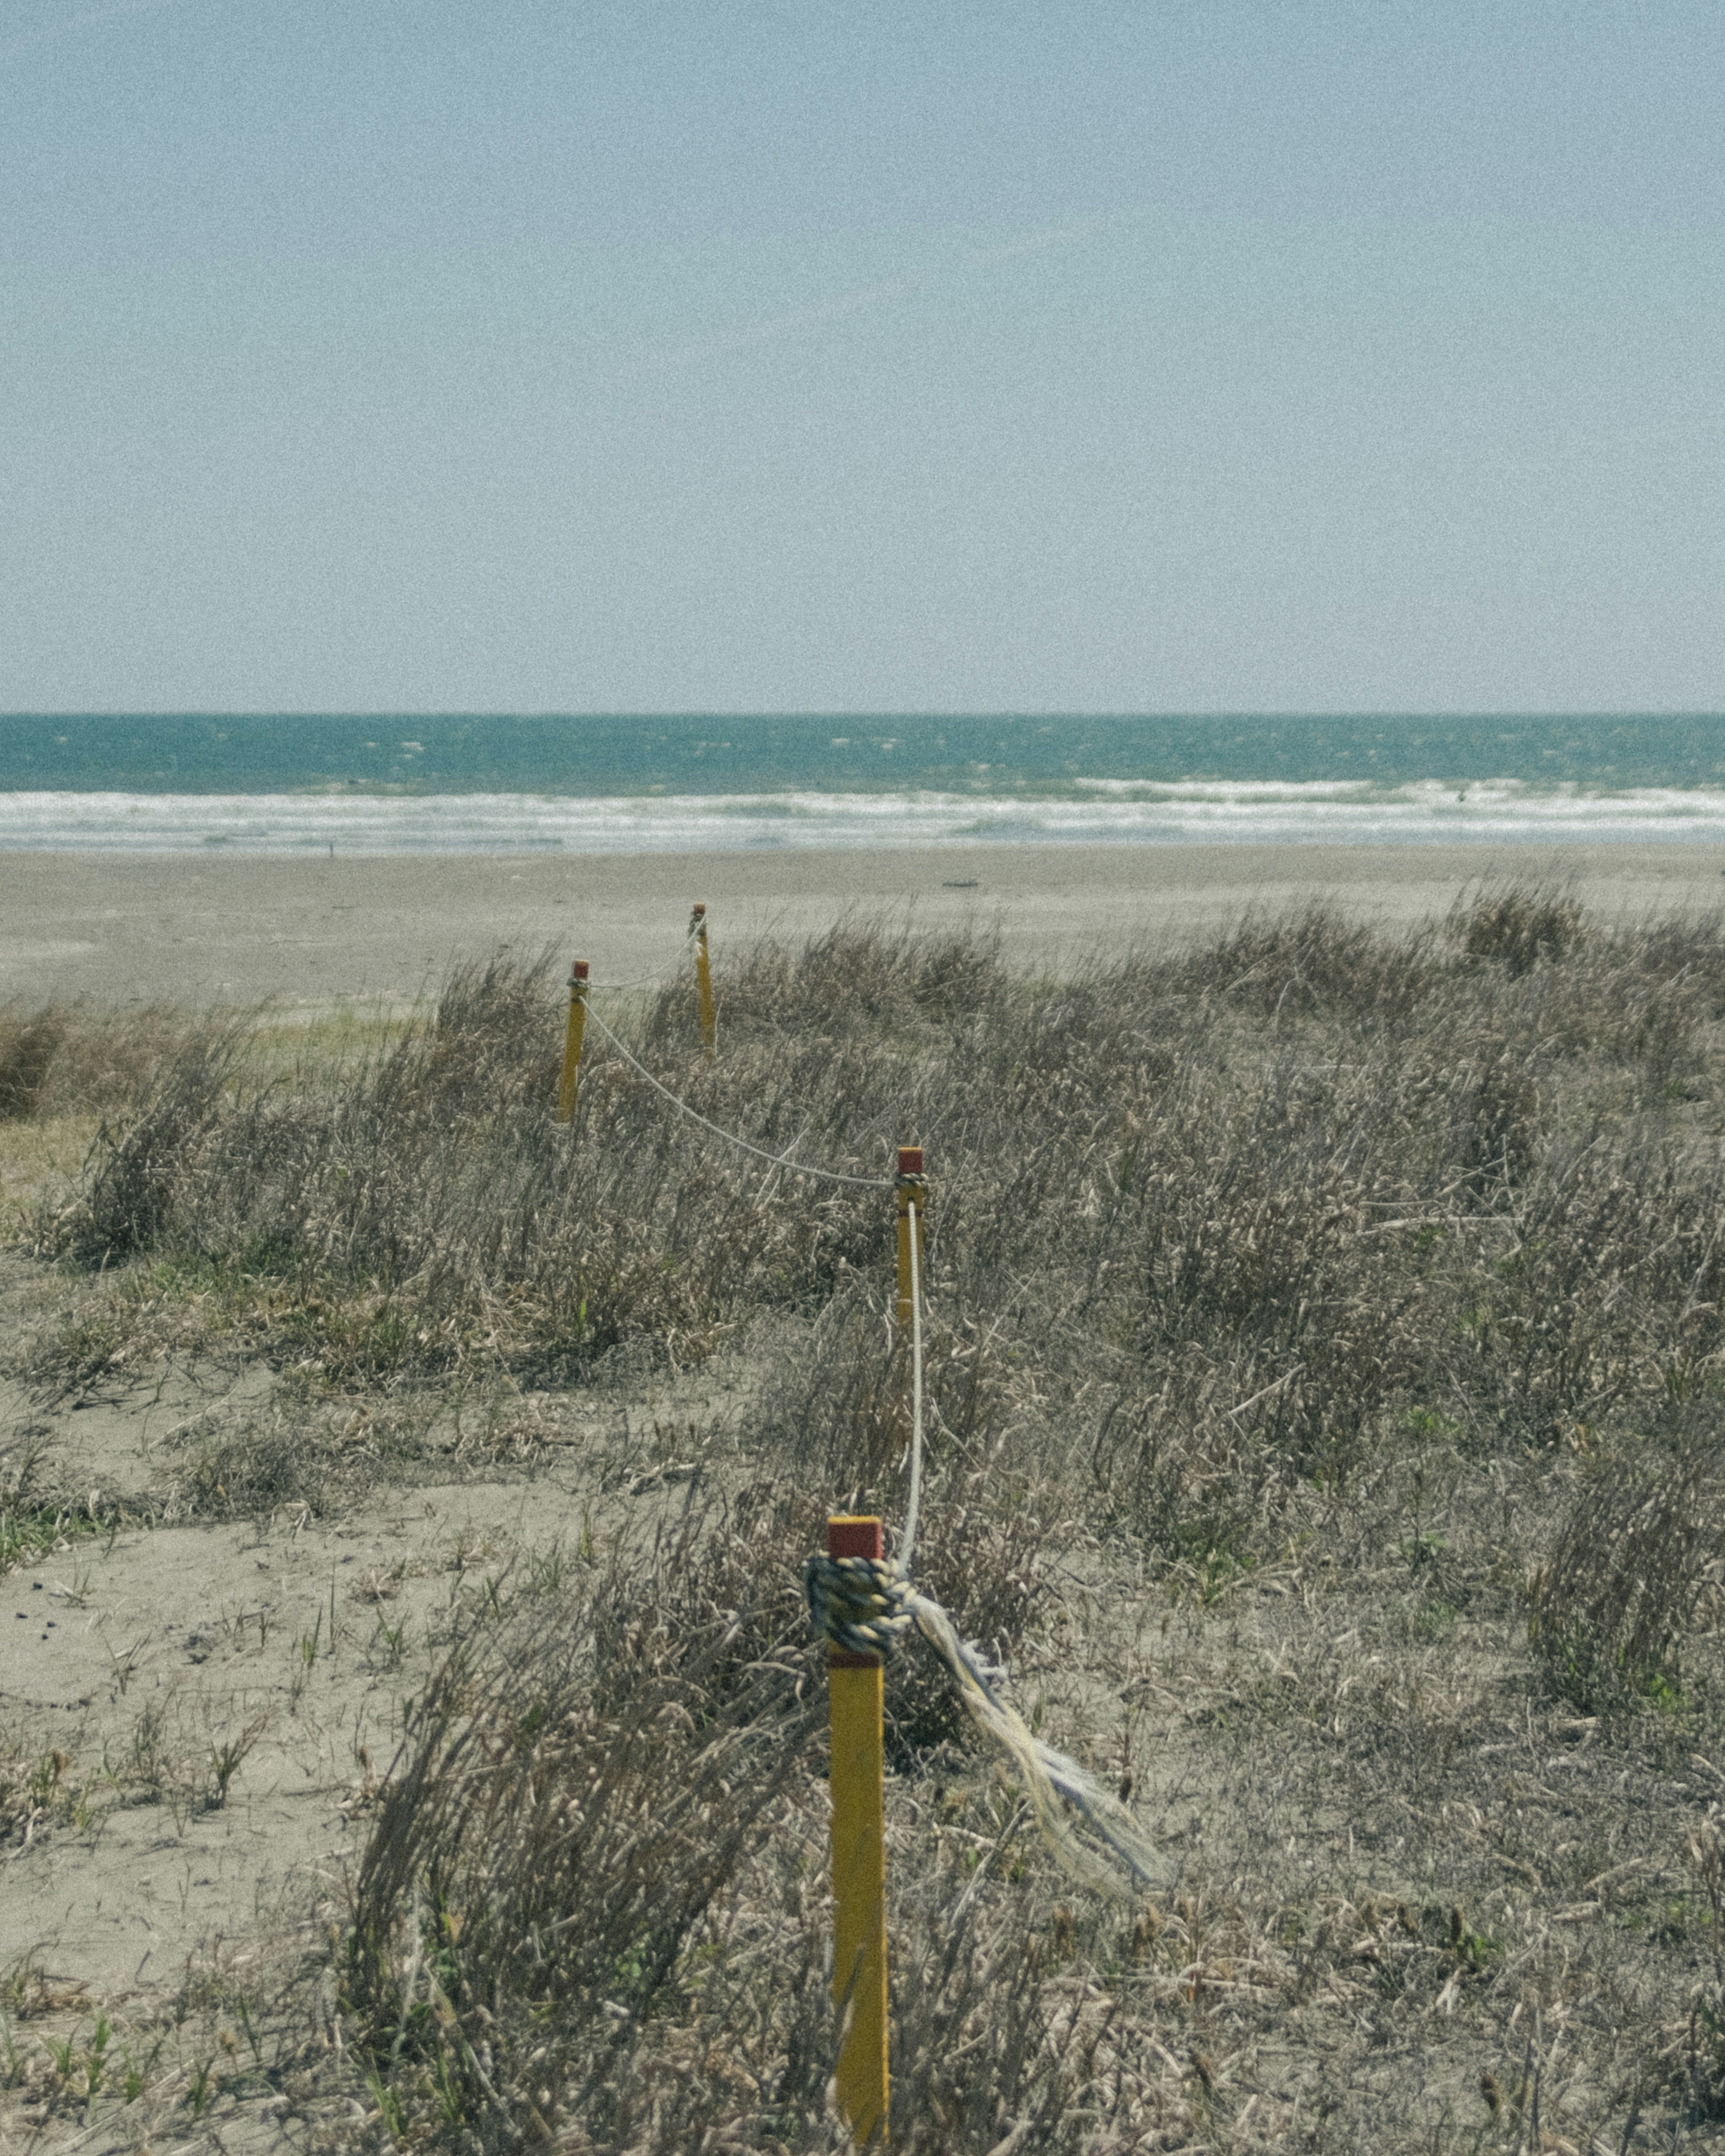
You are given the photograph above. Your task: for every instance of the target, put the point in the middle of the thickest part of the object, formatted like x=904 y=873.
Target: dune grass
x=1324 y=1358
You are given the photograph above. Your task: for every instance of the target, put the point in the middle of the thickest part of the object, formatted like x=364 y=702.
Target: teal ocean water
x=172 y=783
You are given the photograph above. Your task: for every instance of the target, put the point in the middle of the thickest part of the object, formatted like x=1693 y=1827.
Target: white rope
x=868 y=1604
x=915 y=1503
x=648 y=980
x=1044 y=1768
x=760 y=1152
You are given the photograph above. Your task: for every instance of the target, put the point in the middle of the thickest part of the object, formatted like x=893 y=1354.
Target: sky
x=560 y=355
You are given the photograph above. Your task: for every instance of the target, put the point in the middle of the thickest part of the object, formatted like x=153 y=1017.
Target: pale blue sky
x=658 y=357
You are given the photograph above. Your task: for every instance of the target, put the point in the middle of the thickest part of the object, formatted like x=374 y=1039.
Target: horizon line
x=855 y=717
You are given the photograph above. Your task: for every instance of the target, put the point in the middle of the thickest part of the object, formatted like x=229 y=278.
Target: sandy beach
x=123 y=929
x=372 y=1361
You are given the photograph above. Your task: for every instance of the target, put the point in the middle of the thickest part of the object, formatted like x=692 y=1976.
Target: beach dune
x=121 y=929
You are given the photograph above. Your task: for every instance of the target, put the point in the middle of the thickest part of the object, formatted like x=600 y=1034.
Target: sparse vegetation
x=1324 y=1358
x=62 y=1069
x=69 y=1060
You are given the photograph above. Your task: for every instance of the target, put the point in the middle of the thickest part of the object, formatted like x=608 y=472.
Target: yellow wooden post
x=911 y=1189
x=856 y=1685
x=704 y=986
x=570 y=1085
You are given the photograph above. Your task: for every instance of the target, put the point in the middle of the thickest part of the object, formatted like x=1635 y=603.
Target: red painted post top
x=577 y=969
x=910 y=1160
x=853 y=1534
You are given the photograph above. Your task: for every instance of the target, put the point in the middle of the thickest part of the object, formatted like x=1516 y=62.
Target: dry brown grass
x=1324 y=1358
x=62 y=1069
x=70 y=1059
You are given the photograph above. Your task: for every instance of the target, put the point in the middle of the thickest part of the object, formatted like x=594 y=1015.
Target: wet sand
x=120 y=929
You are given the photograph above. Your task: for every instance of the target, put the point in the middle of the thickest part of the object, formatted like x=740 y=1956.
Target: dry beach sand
x=124 y=929
x=137 y=1666
x=227 y=1692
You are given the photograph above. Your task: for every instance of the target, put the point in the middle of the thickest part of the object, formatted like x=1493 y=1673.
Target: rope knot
x=861 y=1604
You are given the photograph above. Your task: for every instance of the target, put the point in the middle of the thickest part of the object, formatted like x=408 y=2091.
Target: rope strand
x=772 y=1159
x=865 y=1605
x=915 y=1504
x=647 y=980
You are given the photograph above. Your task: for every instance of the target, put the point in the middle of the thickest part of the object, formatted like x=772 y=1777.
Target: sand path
x=122 y=929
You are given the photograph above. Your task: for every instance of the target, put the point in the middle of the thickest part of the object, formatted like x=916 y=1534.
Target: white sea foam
x=1247 y=812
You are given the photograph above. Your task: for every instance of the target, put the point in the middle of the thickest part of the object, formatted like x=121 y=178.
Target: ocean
x=166 y=783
